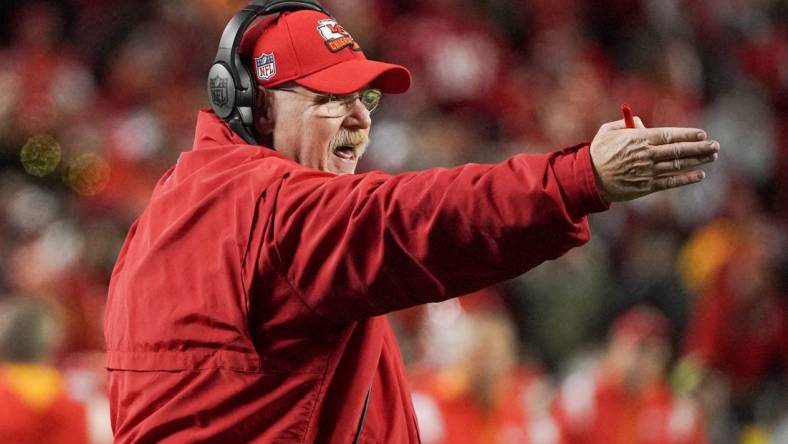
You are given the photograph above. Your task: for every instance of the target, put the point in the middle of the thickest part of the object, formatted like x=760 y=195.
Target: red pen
x=628 y=119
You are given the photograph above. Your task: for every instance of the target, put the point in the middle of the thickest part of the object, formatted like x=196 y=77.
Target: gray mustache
x=358 y=139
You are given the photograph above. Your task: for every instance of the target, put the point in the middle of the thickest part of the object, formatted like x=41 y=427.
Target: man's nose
x=358 y=117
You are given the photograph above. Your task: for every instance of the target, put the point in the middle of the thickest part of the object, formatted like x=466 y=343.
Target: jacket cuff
x=575 y=173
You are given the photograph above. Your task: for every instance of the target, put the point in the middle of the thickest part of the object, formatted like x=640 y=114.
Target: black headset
x=231 y=84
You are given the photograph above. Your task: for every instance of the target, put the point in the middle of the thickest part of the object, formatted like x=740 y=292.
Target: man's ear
x=264 y=112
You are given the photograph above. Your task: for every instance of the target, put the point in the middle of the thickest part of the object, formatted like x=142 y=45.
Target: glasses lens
x=370 y=98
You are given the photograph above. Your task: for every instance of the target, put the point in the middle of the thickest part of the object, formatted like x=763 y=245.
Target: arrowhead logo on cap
x=335 y=35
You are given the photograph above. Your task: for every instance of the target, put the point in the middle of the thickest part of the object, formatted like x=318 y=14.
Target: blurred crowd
x=670 y=326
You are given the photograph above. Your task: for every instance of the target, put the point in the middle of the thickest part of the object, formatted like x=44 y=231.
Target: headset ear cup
x=221 y=90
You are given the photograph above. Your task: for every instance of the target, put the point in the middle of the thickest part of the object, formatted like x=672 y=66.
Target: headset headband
x=231 y=86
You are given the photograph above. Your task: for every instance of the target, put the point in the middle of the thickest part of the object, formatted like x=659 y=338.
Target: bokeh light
x=40 y=156
x=88 y=174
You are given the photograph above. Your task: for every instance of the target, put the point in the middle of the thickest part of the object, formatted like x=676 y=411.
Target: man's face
x=638 y=361
x=326 y=136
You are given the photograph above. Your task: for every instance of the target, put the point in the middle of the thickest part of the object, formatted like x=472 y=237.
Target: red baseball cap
x=314 y=51
x=641 y=323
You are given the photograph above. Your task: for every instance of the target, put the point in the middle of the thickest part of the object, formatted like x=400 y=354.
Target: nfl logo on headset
x=218 y=88
x=266 y=66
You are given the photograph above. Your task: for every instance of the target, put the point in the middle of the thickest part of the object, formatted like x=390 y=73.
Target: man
x=624 y=396
x=480 y=392
x=246 y=302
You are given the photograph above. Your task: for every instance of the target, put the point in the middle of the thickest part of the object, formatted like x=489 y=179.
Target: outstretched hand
x=633 y=162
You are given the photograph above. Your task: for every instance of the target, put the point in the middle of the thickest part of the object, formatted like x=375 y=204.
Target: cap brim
x=352 y=75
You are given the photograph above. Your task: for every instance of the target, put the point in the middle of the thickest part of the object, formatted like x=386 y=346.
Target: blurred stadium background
x=98 y=97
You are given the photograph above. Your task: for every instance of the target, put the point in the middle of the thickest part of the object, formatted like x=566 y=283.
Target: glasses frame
x=347 y=99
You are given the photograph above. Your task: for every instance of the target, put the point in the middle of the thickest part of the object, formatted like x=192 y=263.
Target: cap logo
x=266 y=66
x=335 y=35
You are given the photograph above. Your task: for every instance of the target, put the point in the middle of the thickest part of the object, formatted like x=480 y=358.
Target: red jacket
x=246 y=303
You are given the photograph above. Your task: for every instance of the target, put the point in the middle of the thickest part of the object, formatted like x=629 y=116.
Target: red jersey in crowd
x=739 y=330
x=594 y=408
x=34 y=407
x=513 y=412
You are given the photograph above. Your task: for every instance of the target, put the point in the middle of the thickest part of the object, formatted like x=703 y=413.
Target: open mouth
x=347 y=152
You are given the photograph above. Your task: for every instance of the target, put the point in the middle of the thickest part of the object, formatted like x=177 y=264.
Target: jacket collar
x=211 y=131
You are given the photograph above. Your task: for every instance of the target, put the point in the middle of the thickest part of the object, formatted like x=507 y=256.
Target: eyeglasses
x=338 y=106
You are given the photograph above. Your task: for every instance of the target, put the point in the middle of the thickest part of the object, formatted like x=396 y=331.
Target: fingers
x=682 y=150
x=668 y=135
x=632 y=162
x=677 y=180
x=681 y=164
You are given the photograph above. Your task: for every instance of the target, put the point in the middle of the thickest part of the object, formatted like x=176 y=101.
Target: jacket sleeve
x=356 y=246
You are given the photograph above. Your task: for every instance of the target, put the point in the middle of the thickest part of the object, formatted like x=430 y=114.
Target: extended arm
x=363 y=245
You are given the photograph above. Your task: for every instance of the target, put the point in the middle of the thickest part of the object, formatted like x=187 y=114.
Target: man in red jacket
x=623 y=396
x=246 y=303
